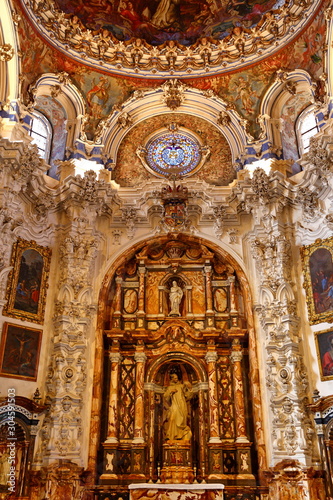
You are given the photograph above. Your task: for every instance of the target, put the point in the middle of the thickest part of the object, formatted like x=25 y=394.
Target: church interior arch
x=166 y=276
x=151 y=337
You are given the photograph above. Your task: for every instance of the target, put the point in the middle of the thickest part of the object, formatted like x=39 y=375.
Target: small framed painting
x=318 y=279
x=19 y=351
x=324 y=345
x=27 y=282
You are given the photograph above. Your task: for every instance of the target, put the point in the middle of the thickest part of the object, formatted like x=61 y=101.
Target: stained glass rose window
x=173 y=153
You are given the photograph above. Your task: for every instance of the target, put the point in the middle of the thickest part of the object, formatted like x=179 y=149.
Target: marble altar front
x=177 y=491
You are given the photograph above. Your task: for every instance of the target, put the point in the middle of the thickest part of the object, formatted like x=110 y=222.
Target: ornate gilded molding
x=135 y=56
x=6 y=52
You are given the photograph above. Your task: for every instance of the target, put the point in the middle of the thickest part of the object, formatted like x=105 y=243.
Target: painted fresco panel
x=159 y=21
x=290 y=111
x=218 y=168
x=244 y=89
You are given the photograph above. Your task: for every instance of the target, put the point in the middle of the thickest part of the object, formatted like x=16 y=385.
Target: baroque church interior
x=166 y=263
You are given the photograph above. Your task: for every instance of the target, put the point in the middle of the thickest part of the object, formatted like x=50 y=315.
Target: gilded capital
x=236 y=356
x=211 y=357
x=140 y=357
x=114 y=357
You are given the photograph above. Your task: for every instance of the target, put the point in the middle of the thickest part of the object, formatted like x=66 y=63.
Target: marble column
x=233 y=302
x=214 y=434
x=115 y=359
x=201 y=465
x=141 y=298
x=151 y=430
x=209 y=297
x=140 y=359
x=117 y=312
x=237 y=379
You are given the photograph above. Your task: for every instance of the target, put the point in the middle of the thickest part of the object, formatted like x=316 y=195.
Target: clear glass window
x=41 y=133
x=306 y=127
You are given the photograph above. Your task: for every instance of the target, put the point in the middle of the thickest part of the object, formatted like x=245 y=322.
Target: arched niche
x=192 y=103
x=290 y=94
x=59 y=89
x=138 y=344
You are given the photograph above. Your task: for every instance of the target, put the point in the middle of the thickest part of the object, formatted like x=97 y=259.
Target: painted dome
x=159 y=21
x=163 y=38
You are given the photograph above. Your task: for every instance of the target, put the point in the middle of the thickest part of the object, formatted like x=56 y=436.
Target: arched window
x=306 y=127
x=41 y=133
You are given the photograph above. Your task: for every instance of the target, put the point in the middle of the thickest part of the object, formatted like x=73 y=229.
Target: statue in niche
x=175 y=296
x=175 y=401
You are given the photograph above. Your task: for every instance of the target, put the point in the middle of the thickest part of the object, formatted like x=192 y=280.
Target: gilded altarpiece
x=176 y=405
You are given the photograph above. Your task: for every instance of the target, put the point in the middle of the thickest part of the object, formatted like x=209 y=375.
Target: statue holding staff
x=175 y=401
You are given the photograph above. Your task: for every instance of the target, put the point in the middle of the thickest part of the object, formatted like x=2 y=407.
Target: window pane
x=41 y=134
x=39 y=127
x=39 y=140
x=306 y=128
x=309 y=122
x=306 y=144
x=307 y=135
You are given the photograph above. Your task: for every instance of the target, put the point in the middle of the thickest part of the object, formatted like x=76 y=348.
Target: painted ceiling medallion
x=160 y=21
x=173 y=153
x=155 y=38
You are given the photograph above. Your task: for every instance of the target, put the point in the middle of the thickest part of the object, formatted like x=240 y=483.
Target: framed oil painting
x=318 y=279
x=27 y=282
x=324 y=345
x=19 y=351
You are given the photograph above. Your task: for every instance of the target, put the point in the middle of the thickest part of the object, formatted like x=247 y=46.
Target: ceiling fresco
x=242 y=89
x=161 y=38
x=158 y=21
x=289 y=113
x=218 y=169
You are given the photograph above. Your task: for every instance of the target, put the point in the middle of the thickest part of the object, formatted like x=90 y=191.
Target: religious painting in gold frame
x=28 y=281
x=324 y=346
x=318 y=279
x=19 y=351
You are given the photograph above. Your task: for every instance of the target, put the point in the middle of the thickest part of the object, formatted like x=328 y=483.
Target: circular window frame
x=143 y=152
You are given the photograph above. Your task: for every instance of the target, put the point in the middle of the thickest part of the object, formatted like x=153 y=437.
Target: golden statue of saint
x=176 y=397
